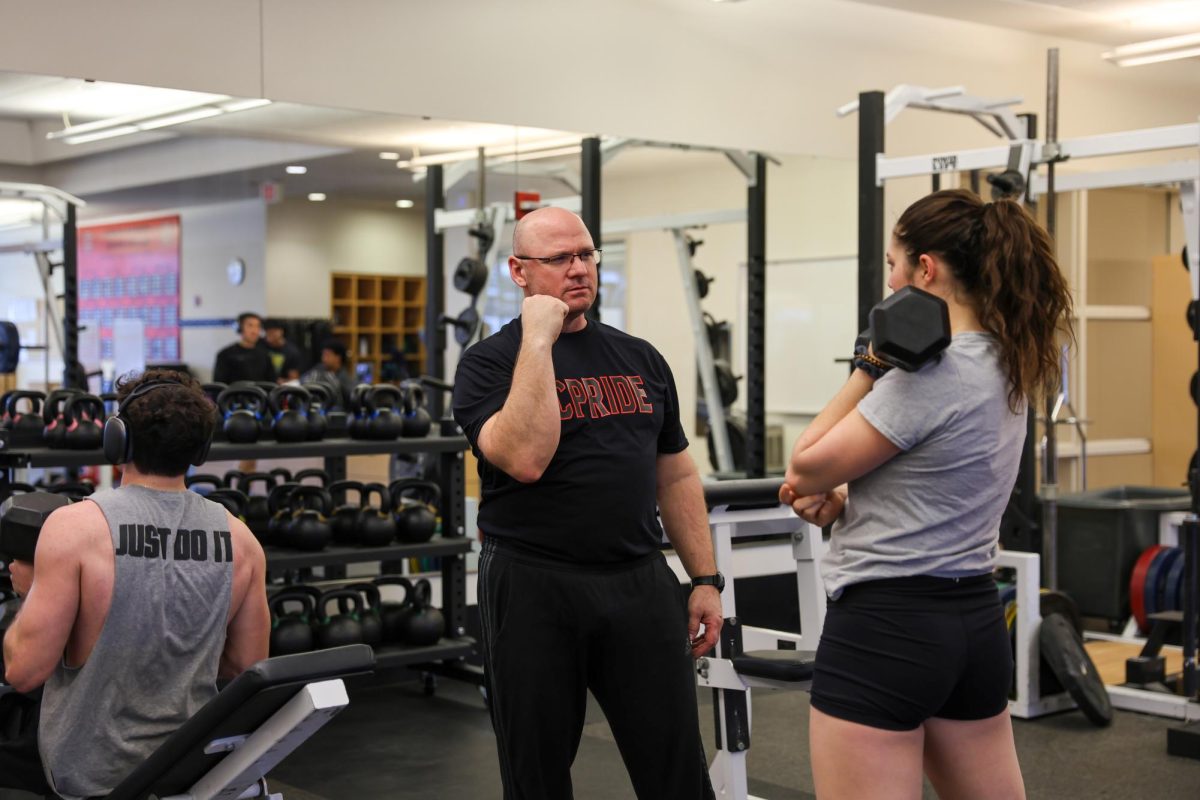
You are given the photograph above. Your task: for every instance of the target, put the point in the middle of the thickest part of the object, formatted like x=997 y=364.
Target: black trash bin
x=1101 y=533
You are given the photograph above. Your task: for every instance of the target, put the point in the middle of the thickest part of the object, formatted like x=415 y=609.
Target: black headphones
x=118 y=443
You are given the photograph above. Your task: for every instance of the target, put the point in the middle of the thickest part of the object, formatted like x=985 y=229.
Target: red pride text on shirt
x=603 y=396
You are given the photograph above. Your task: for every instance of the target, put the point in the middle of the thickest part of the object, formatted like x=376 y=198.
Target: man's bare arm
x=247 y=636
x=34 y=644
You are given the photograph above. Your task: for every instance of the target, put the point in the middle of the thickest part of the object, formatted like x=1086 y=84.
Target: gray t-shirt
x=935 y=508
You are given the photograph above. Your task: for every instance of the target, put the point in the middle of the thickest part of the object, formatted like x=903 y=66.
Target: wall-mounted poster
x=130 y=270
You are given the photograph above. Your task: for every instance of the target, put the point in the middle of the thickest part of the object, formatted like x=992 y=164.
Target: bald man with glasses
x=577 y=430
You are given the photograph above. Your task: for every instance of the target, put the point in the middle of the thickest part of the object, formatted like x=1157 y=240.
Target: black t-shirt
x=286 y=359
x=237 y=363
x=596 y=501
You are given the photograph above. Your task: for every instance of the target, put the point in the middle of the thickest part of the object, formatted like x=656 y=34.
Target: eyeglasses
x=587 y=258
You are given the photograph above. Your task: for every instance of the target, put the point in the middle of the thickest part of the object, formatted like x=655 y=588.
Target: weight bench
x=226 y=749
x=777 y=660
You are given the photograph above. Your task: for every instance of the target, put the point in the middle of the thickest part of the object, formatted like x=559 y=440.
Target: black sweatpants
x=551 y=632
x=20 y=761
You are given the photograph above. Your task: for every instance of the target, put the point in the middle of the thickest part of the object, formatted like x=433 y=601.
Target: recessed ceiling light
x=316 y=197
x=296 y=169
x=405 y=204
x=390 y=156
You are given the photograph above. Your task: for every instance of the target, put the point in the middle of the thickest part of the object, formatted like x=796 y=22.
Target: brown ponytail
x=1004 y=260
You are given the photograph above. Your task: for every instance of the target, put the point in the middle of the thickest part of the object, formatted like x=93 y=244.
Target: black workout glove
x=863 y=359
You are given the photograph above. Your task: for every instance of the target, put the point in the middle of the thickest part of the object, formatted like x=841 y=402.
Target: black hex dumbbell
x=21 y=520
x=909 y=328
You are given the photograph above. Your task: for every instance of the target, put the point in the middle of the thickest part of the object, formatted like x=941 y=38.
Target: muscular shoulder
x=73 y=529
x=246 y=547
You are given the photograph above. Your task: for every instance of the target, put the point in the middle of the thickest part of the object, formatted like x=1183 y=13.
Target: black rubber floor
x=393 y=742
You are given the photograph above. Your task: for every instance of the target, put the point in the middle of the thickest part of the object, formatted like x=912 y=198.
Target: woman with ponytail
x=914 y=470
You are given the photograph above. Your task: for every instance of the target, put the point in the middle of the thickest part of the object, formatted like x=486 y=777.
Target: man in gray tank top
x=140 y=599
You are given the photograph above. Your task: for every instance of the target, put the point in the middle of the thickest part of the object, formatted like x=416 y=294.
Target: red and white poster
x=130 y=270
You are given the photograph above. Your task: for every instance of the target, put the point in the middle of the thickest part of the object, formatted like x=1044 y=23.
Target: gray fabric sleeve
x=907 y=407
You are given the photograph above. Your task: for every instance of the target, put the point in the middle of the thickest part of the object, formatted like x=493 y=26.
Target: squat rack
x=594 y=153
x=63 y=206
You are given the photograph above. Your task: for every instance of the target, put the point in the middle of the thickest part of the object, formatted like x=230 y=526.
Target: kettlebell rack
x=451 y=545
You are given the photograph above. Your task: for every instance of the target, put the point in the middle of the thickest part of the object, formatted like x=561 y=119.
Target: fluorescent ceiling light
x=390 y=156
x=133 y=123
x=1155 y=50
x=544 y=149
x=405 y=204
x=296 y=169
x=179 y=119
x=316 y=197
x=108 y=133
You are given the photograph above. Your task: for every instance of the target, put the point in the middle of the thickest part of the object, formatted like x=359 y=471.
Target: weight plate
x=1053 y=602
x=1161 y=584
x=1155 y=574
x=1137 y=585
x=1195 y=379
x=1063 y=651
x=10 y=347
x=1173 y=596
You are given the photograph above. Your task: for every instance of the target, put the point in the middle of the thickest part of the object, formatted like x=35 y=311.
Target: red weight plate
x=1137 y=585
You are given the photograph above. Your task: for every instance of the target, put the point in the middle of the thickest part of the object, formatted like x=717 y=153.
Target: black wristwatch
x=717 y=580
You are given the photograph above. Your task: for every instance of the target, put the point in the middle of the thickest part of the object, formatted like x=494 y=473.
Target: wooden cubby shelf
x=375 y=314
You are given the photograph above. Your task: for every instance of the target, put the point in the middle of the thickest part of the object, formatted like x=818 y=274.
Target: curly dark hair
x=1005 y=262
x=168 y=425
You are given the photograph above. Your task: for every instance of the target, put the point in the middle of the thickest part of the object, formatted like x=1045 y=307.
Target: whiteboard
x=812 y=311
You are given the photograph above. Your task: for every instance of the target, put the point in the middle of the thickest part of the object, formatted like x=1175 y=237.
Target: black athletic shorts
x=896 y=652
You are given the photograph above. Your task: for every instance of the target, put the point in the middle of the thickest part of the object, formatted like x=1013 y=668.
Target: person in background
x=287 y=359
x=333 y=371
x=244 y=360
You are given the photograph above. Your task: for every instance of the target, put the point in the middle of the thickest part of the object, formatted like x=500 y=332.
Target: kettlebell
x=391 y=613
x=343 y=520
x=54 y=417
x=242 y=408
x=343 y=628
x=417 y=421
x=281 y=475
x=384 y=404
x=213 y=391
x=279 y=514
x=84 y=415
x=322 y=400
x=291 y=632
x=26 y=426
x=309 y=529
x=76 y=490
x=376 y=526
x=425 y=624
x=289 y=405
x=372 y=625
x=358 y=410
x=233 y=500
x=319 y=475
x=414 y=504
x=203 y=479
x=231 y=478
x=257 y=512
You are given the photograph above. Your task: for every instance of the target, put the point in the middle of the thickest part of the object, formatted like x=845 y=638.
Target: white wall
x=764 y=75
x=306 y=241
